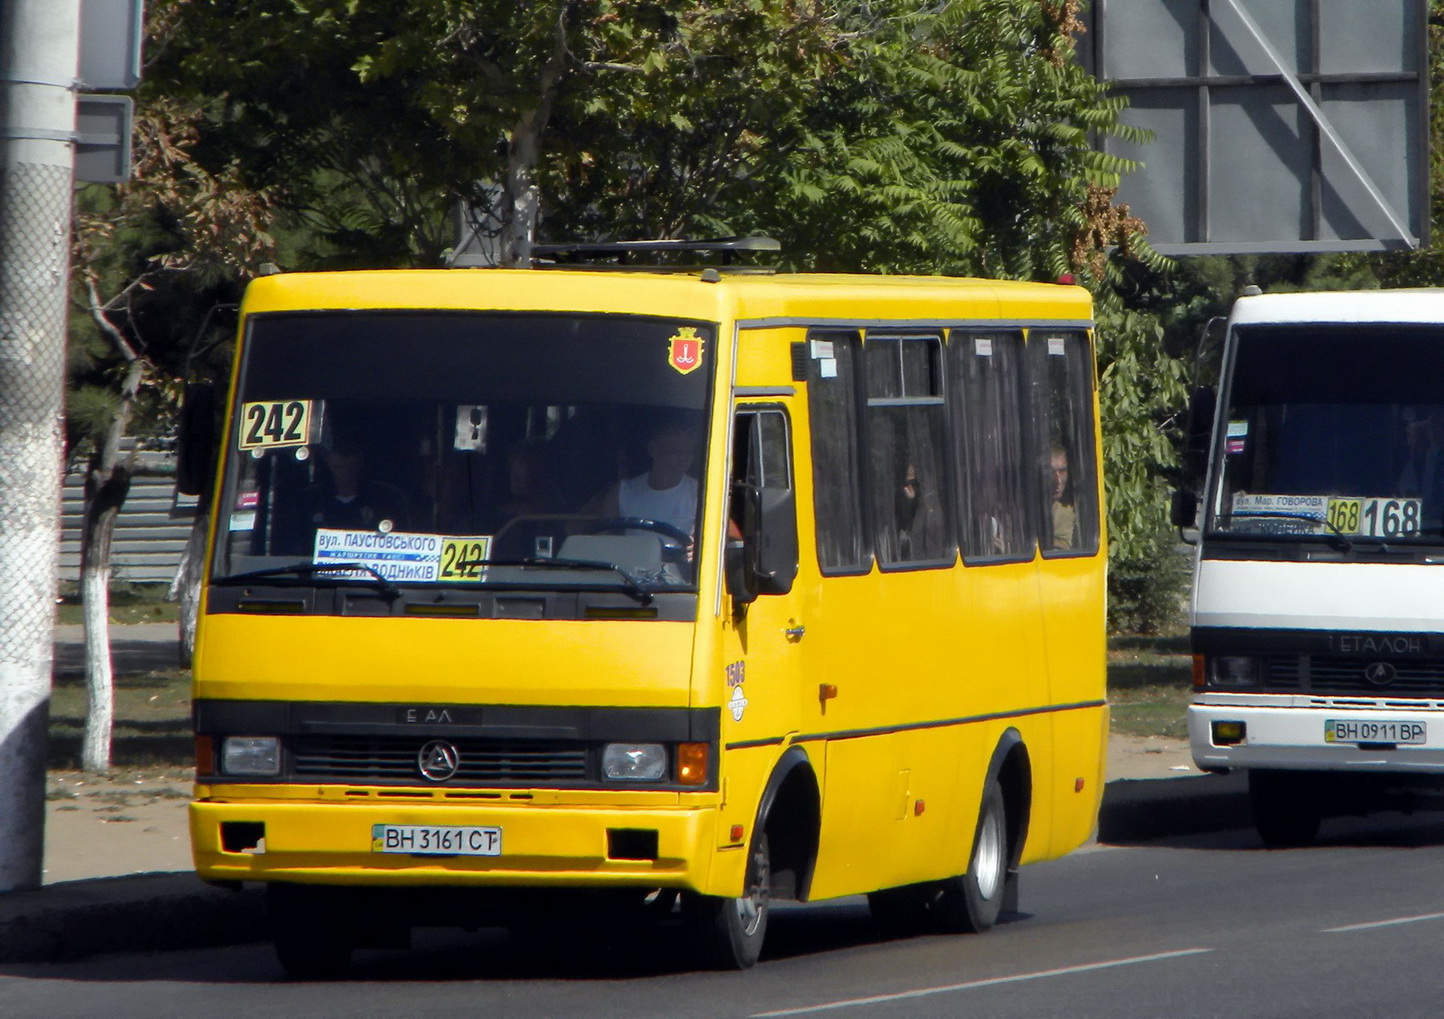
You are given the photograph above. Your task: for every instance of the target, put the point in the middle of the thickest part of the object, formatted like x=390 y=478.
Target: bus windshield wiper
x=312 y=569
x=628 y=585
x=1336 y=537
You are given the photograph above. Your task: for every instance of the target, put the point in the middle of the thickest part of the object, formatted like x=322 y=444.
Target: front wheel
x=727 y=933
x=971 y=902
x=1287 y=807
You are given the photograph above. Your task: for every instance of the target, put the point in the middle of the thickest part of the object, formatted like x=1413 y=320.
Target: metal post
x=39 y=46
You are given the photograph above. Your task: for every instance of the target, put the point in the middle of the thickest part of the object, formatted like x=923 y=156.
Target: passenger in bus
x=1423 y=474
x=1065 y=514
x=529 y=489
x=666 y=491
x=347 y=499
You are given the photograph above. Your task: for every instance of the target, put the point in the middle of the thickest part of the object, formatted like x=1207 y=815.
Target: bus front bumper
x=1293 y=735
x=536 y=846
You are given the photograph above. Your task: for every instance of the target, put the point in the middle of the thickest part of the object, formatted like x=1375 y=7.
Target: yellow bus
x=662 y=593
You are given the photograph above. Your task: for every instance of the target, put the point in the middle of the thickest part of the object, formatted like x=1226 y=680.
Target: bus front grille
x=390 y=760
x=1400 y=678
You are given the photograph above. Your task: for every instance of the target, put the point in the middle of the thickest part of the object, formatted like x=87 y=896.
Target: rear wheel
x=971 y=902
x=309 y=932
x=727 y=933
x=1287 y=807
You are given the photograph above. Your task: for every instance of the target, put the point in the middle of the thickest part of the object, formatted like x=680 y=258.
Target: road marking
x=991 y=982
x=1382 y=923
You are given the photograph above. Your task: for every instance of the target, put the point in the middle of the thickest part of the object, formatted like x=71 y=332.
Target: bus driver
x=667 y=491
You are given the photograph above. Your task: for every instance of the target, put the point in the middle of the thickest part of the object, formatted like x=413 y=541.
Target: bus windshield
x=1335 y=433
x=438 y=448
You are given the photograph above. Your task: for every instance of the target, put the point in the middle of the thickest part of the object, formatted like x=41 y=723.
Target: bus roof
x=758 y=299
x=1345 y=306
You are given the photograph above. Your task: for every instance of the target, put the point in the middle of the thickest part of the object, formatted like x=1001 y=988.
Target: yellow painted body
x=930 y=667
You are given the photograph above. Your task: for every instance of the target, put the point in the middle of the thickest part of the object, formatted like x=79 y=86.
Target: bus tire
x=1286 y=805
x=311 y=943
x=727 y=933
x=970 y=903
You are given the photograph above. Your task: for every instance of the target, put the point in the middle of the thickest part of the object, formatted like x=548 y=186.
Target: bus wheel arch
x=727 y=933
x=790 y=814
x=1012 y=769
x=972 y=901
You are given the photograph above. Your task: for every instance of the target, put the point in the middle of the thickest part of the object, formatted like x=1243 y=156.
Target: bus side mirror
x=196 y=440
x=1202 y=403
x=1184 y=510
x=764 y=559
x=776 y=538
x=741 y=579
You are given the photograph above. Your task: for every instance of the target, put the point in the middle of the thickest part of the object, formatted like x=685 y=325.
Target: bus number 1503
x=1375 y=518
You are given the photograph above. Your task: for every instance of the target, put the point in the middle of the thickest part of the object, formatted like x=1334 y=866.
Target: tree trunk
x=107 y=483
x=95 y=600
x=522 y=202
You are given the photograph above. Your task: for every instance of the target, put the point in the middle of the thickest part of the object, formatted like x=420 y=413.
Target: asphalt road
x=1196 y=926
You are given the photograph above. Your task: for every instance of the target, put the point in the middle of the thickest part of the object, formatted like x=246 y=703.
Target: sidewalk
x=117 y=859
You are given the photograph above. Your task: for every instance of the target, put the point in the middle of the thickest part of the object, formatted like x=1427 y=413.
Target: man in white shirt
x=667 y=492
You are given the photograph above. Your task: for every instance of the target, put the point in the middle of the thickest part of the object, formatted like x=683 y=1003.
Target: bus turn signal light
x=692 y=763
x=205 y=756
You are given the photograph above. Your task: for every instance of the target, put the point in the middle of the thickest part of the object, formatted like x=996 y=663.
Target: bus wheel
x=727 y=933
x=311 y=943
x=1286 y=806
x=970 y=903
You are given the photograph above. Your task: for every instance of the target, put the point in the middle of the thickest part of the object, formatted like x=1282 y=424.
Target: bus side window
x=760 y=508
x=843 y=544
x=1061 y=379
x=986 y=376
x=906 y=451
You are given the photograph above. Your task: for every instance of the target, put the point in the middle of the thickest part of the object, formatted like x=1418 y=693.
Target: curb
x=171 y=911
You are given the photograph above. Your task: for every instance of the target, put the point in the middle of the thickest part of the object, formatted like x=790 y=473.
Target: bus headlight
x=634 y=762
x=251 y=755
x=1235 y=671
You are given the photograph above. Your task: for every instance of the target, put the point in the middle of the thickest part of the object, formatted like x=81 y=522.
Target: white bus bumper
x=1288 y=732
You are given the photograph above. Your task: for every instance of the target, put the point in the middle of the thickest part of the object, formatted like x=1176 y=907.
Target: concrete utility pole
x=39 y=47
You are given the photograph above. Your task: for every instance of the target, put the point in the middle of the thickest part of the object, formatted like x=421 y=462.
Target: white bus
x=1317 y=613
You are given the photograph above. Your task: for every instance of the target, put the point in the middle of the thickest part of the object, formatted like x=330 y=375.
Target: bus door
x=763 y=626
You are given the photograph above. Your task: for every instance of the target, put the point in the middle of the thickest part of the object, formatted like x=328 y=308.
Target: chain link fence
x=34 y=251
x=34 y=265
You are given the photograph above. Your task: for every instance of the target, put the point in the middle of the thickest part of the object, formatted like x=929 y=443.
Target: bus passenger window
x=906 y=447
x=1066 y=486
x=843 y=545
x=986 y=371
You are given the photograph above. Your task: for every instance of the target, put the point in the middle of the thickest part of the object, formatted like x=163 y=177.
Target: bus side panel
x=1078 y=740
x=1071 y=590
x=896 y=816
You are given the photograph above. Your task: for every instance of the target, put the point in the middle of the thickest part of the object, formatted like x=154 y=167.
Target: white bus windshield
x=446 y=448
x=1333 y=432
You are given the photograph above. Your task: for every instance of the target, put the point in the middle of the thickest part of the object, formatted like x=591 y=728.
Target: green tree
x=867 y=135
x=145 y=252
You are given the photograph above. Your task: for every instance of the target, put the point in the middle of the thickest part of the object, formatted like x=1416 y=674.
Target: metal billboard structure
x=1278 y=125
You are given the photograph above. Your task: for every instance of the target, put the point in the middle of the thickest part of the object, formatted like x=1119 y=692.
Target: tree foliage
x=956 y=140
x=867 y=135
x=140 y=250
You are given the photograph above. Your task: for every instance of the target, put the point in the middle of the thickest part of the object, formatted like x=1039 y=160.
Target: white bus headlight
x=636 y=762
x=251 y=755
x=1235 y=671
